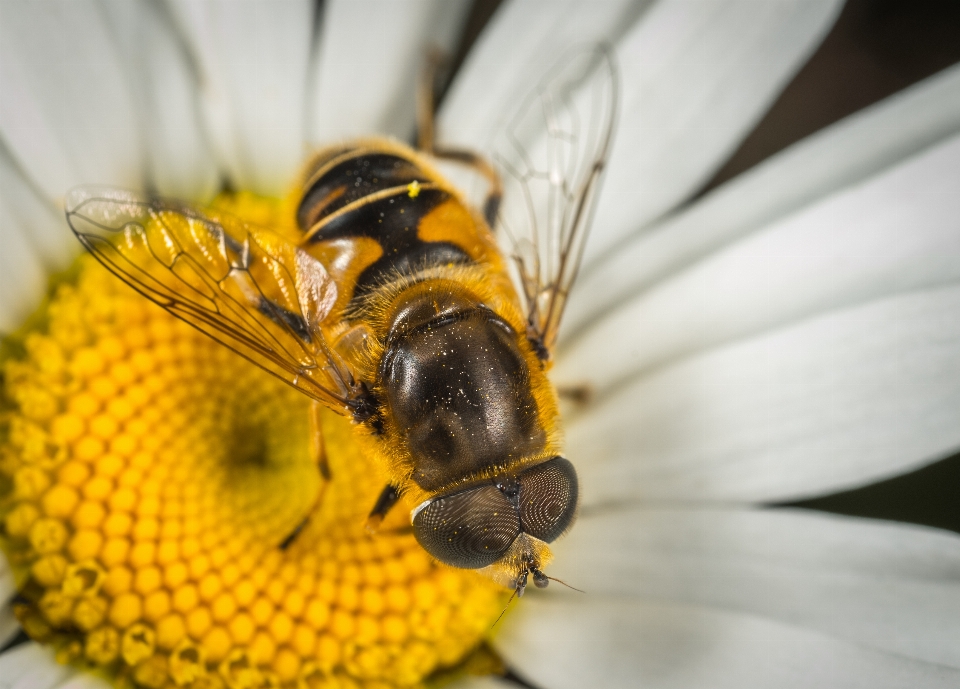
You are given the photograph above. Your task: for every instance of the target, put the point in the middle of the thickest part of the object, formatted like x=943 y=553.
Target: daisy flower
x=791 y=333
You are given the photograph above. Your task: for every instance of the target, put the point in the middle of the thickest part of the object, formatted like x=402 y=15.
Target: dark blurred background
x=876 y=48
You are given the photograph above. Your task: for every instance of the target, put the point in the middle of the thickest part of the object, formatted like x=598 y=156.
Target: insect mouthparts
x=509 y=487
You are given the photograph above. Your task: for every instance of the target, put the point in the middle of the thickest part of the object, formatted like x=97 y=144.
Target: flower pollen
x=148 y=476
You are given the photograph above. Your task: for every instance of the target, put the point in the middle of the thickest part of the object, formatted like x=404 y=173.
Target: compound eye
x=548 y=498
x=470 y=529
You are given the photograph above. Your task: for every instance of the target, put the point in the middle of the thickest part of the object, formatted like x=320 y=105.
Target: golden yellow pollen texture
x=148 y=476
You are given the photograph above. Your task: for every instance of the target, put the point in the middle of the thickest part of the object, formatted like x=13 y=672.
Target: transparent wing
x=551 y=156
x=245 y=287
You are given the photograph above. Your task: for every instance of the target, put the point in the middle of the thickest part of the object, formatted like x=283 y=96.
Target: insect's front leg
x=317 y=447
x=388 y=497
x=319 y=452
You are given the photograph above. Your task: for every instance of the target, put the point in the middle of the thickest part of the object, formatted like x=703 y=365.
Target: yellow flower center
x=148 y=477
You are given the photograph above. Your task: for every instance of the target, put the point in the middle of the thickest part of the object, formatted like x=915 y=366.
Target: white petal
x=599 y=641
x=846 y=153
x=83 y=680
x=253 y=59
x=31 y=666
x=6 y=581
x=22 y=275
x=370 y=57
x=521 y=42
x=894 y=233
x=34 y=216
x=165 y=91
x=889 y=586
x=482 y=683
x=66 y=113
x=830 y=403
x=34 y=238
x=8 y=623
x=697 y=77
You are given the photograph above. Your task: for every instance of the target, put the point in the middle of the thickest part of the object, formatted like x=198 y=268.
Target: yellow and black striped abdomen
x=376 y=210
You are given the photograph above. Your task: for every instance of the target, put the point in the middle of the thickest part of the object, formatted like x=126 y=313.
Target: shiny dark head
x=477 y=526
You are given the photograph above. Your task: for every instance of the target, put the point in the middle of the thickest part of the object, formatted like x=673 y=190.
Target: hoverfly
x=395 y=307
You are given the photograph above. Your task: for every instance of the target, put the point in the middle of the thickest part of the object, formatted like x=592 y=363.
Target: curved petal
x=253 y=58
x=6 y=581
x=892 y=587
x=33 y=217
x=894 y=233
x=22 y=275
x=31 y=666
x=482 y=683
x=8 y=623
x=610 y=642
x=165 y=90
x=35 y=239
x=830 y=403
x=369 y=58
x=67 y=114
x=697 y=77
x=839 y=156
x=84 y=681
x=521 y=42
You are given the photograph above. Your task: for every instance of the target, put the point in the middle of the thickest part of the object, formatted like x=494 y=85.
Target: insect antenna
x=574 y=588
x=505 y=607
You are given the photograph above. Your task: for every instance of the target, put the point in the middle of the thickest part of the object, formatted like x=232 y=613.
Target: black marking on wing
x=282 y=316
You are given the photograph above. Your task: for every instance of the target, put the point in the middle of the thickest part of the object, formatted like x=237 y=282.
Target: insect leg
x=316 y=441
x=482 y=166
x=426 y=100
x=426 y=138
x=320 y=457
x=578 y=394
x=288 y=541
x=387 y=499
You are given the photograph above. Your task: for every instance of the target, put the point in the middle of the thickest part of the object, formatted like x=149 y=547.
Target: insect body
x=461 y=404
x=395 y=306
